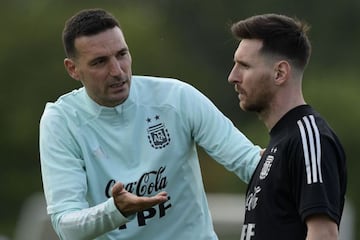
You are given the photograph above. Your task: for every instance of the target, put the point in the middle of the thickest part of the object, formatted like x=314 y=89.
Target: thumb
x=117 y=189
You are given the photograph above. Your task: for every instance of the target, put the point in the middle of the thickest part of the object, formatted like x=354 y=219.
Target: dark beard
x=260 y=104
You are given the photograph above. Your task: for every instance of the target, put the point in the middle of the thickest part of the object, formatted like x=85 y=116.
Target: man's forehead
x=250 y=44
x=248 y=47
x=107 y=41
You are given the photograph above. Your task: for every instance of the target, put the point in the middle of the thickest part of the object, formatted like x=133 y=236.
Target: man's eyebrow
x=100 y=57
x=241 y=62
x=124 y=49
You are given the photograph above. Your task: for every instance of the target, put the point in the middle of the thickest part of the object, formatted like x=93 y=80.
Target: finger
x=162 y=194
x=128 y=203
x=117 y=188
x=262 y=151
x=158 y=198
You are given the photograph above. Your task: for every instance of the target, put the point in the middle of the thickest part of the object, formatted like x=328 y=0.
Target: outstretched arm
x=92 y=222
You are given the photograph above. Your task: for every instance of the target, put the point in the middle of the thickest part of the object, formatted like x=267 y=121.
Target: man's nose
x=115 y=67
x=231 y=76
x=235 y=76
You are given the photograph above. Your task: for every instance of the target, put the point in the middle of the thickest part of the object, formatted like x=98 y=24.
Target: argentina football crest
x=267 y=164
x=266 y=167
x=158 y=134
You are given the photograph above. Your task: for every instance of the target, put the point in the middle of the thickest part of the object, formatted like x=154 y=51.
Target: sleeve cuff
x=116 y=215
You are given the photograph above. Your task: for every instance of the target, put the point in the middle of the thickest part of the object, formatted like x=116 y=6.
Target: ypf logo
x=158 y=135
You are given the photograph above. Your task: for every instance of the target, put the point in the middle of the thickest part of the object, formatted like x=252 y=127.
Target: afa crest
x=266 y=167
x=158 y=135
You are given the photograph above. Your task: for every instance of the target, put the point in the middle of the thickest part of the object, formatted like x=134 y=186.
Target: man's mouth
x=118 y=84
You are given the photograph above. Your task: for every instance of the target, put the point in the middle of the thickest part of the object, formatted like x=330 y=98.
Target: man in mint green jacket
x=120 y=162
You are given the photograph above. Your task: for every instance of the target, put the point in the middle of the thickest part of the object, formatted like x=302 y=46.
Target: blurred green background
x=189 y=40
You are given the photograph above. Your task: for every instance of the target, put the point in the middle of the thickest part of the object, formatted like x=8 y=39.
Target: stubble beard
x=258 y=104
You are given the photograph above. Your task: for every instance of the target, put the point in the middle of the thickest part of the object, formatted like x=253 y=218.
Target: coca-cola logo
x=148 y=183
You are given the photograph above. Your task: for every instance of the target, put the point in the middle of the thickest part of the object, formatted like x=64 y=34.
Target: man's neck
x=278 y=108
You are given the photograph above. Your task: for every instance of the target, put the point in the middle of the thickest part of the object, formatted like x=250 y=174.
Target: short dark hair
x=86 y=23
x=280 y=34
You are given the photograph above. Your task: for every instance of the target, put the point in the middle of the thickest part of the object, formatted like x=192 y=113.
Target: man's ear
x=71 y=68
x=282 y=72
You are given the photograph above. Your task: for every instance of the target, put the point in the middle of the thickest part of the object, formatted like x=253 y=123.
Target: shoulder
x=313 y=138
x=313 y=128
x=161 y=90
x=302 y=124
x=67 y=106
x=158 y=82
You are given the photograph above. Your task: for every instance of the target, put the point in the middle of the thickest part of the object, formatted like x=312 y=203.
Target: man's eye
x=121 y=54
x=242 y=64
x=97 y=62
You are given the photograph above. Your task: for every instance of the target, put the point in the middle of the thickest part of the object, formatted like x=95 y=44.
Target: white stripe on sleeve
x=310 y=138
x=318 y=147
